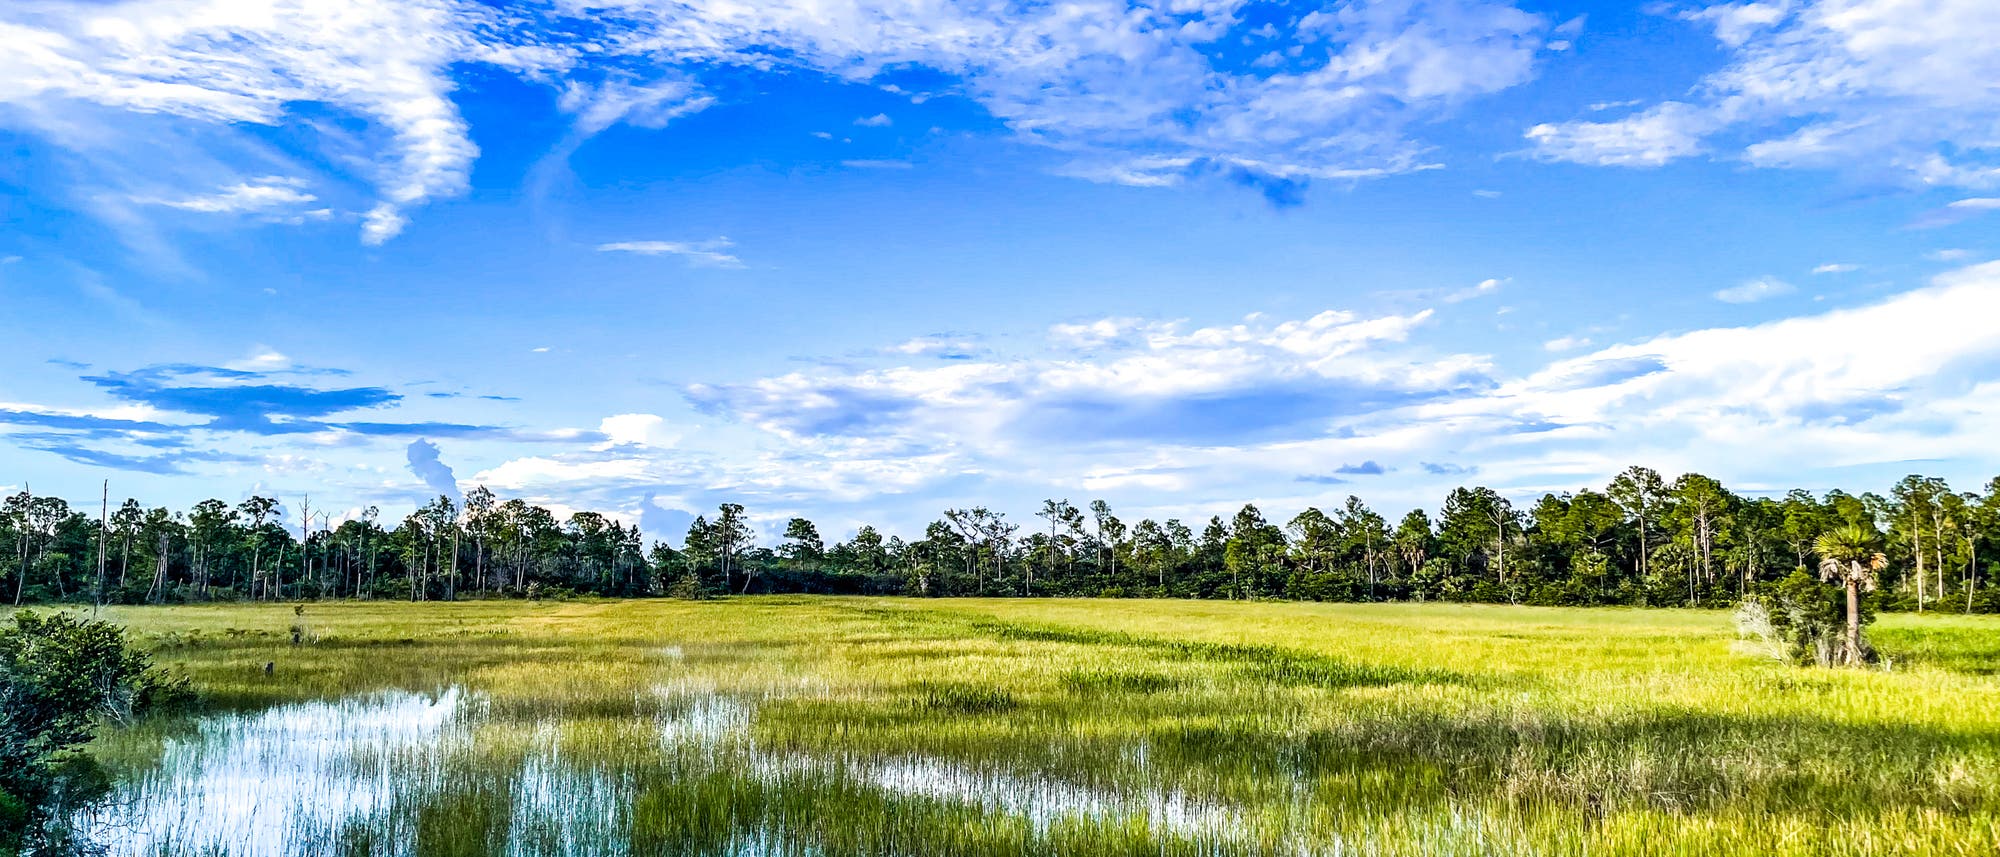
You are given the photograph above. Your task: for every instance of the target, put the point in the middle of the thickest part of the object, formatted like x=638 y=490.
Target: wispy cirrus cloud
x=1876 y=87
x=205 y=63
x=700 y=254
x=1956 y=211
x=1123 y=92
x=271 y=197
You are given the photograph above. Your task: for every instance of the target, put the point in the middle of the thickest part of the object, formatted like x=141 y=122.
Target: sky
x=865 y=260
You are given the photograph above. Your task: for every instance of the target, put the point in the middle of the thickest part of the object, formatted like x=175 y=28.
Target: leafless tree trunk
x=103 y=532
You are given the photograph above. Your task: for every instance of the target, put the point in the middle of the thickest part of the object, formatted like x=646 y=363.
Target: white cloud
x=224 y=63
x=1481 y=289
x=651 y=105
x=1835 y=268
x=700 y=254
x=263 y=358
x=876 y=164
x=1752 y=291
x=1125 y=89
x=1125 y=93
x=948 y=347
x=1956 y=211
x=879 y=120
x=1115 y=379
x=265 y=195
x=1869 y=385
x=383 y=222
x=1665 y=133
x=636 y=429
x=1566 y=343
x=1915 y=352
x=1886 y=87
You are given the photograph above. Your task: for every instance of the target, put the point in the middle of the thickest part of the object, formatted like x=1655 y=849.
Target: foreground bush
x=60 y=677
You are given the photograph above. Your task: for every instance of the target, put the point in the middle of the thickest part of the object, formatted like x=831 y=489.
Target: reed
x=828 y=726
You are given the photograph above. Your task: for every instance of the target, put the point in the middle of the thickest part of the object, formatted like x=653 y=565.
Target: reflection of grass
x=1389 y=729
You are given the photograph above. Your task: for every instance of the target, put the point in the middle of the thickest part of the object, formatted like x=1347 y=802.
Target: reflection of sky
x=291 y=779
x=282 y=781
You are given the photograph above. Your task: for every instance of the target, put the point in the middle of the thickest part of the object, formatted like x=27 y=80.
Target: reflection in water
x=374 y=774
x=277 y=781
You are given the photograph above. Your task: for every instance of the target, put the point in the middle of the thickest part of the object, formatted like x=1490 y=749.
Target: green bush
x=60 y=676
x=1801 y=619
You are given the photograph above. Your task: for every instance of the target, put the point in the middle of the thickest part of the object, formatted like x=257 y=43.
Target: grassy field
x=969 y=727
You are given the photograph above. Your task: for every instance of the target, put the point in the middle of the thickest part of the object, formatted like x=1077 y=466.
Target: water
x=252 y=784
x=386 y=774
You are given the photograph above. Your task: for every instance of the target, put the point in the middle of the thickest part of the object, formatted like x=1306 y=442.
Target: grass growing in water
x=908 y=727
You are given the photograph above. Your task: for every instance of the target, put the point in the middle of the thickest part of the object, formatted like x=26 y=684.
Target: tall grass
x=910 y=727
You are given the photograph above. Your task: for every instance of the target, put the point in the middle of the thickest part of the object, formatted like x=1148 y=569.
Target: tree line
x=1641 y=541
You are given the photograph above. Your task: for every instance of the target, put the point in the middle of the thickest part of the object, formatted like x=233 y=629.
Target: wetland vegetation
x=892 y=726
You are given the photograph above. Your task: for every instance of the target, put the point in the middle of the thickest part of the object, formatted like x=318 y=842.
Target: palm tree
x=1848 y=554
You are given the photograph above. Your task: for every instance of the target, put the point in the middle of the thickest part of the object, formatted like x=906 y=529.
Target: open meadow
x=799 y=725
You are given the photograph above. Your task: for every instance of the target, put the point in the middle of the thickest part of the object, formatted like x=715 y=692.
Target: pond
x=405 y=773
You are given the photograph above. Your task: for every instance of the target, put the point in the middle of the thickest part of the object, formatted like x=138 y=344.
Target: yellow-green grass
x=1303 y=728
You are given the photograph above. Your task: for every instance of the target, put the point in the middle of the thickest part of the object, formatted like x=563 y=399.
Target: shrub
x=60 y=676
x=1799 y=620
x=687 y=588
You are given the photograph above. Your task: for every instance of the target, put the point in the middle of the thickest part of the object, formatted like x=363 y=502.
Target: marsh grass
x=800 y=726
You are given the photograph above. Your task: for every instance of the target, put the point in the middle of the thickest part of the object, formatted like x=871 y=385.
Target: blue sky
x=866 y=260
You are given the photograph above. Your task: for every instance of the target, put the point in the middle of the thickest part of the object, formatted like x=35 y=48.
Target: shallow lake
x=397 y=772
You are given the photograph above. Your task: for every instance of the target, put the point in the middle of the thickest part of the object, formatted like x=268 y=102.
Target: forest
x=1642 y=541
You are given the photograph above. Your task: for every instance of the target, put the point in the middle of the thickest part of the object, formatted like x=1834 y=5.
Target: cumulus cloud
x=1882 y=87
x=1173 y=418
x=1157 y=381
x=637 y=430
x=1900 y=378
x=1661 y=134
x=427 y=464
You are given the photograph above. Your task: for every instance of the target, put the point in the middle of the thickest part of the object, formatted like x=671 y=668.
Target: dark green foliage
x=1643 y=540
x=60 y=676
x=1804 y=617
x=687 y=588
